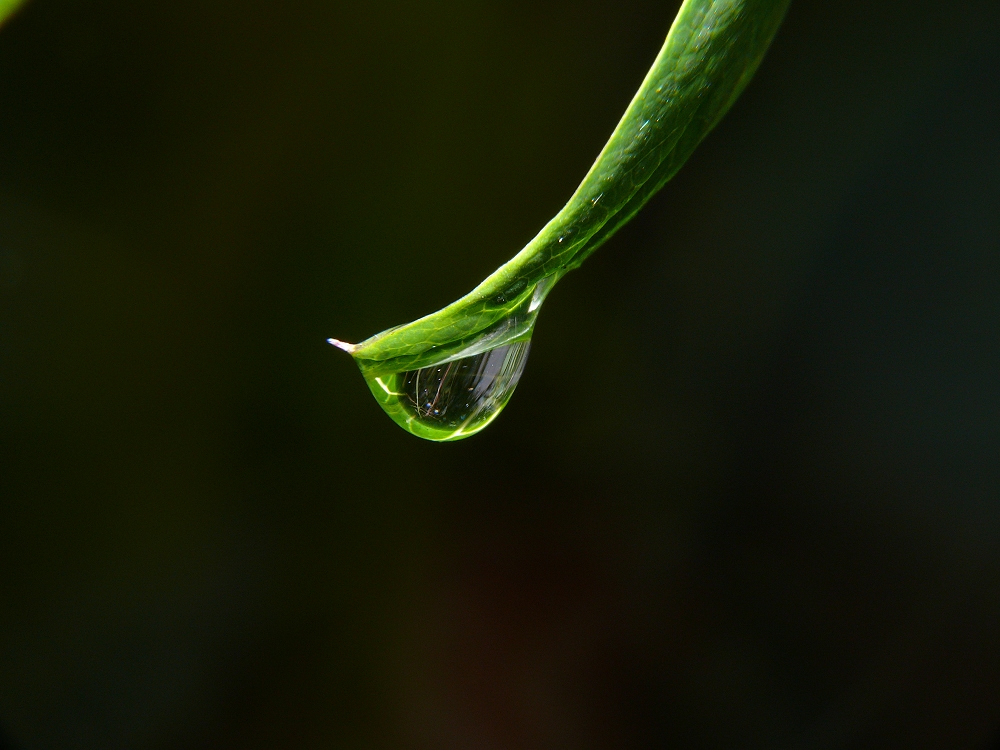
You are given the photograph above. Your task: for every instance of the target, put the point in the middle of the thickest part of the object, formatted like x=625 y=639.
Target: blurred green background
x=746 y=495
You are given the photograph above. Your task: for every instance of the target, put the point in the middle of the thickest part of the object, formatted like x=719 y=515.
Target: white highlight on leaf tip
x=349 y=348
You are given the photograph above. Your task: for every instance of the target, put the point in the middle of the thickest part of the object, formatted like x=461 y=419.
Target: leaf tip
x=349 y=348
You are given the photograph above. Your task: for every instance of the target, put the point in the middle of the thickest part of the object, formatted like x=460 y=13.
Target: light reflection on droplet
x=462 y=391
x=453 y=400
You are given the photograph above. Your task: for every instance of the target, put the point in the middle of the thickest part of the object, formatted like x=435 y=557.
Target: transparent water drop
x=454 y=399
x=460 y=392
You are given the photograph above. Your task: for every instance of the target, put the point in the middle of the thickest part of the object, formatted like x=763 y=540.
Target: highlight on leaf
x=448 y=375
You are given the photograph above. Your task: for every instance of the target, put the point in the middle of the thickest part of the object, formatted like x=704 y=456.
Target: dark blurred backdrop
x=746 y=495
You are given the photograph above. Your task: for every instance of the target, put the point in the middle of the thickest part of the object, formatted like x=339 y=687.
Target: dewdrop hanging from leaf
x=449 y=374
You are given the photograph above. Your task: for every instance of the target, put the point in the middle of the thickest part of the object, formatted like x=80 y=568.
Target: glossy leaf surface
x=711 y=53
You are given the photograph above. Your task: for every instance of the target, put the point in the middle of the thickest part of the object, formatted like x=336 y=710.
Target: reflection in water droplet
x=541 y=292
x=454 y=399
x=451 y=387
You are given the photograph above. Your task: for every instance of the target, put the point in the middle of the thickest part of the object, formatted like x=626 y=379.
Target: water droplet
x=454 y=399
x=455 y=388
x=541 y=291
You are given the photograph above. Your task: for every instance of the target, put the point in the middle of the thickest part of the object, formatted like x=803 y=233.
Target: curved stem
x=709 y=56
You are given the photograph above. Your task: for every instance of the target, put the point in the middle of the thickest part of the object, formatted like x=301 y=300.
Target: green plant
x=447 y=375
x=7 y=7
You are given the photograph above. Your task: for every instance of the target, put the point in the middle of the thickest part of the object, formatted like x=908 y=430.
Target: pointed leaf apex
x=349 y=348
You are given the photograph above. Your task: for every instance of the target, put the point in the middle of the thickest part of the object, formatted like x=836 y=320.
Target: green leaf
x=710 y=54
x=7 y=7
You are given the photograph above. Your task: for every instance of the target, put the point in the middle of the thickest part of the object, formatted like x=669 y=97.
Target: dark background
x=746 y=495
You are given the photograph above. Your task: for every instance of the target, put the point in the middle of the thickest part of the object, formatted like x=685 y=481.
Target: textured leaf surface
x=710 y=54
